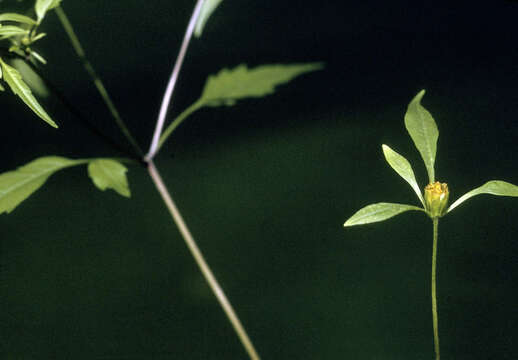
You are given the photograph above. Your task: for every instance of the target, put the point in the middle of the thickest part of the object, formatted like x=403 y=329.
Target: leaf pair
x=18 y=185
x=423 y=131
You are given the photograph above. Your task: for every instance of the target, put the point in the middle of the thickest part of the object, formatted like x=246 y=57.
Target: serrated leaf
x=423 y=130
x=18 y=18
x=206 y=11
x=493 y=187
x=42 y=6
x=228 y=86
x=403 y=168
x=20 y=88
x=11 y=30
x=18 y=185
x=109 y=174
x=378 y=212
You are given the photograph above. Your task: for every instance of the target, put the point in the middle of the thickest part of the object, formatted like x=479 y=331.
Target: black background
x=266 y=185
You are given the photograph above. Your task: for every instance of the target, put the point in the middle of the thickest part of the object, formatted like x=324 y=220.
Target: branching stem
x=202 y=264
x=67 y=26
x=434 y=289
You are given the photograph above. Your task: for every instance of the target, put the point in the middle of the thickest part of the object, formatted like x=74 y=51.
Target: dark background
x=266 y=185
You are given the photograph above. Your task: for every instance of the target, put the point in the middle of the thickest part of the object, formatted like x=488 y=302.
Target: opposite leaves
x=19 y=184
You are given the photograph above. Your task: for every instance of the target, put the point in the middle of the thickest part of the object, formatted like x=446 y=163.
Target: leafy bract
x=206 y=11
x=18 y=18
x=20 y=88
x=11 y=30
x=423 y=131
x=378 y=212
x=42 y=6
x=109 y=174
x=18 y=185
x=403 y=168
x=228 y=86
x=493 y=187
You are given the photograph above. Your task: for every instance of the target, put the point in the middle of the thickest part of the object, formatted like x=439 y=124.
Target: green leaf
x=18 y=18
x=42 y=6
x=403 y=168
x=11 y=30
x=18 y=185
x=423 y=131
x=109 y=174
x=378 y=212
x=493 y=187
x=31 y=78
x=228 y=86
x=206 y=11
x=15 y=82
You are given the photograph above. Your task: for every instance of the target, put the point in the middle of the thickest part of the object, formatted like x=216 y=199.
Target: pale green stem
x=179 y=119
x=202 y=264
x=67 y=26
x=434 y=289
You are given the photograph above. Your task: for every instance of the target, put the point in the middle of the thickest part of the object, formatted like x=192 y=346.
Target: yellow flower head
x=436 y=198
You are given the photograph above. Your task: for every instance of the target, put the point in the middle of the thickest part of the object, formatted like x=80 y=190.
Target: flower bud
x=436 y=199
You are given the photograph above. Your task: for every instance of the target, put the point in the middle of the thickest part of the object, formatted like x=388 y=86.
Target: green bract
x=423 y=131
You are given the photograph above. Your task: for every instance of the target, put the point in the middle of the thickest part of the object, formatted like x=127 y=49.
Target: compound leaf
x=493 y=187
x=109 y=174
x=403 y=168
x=378 y=212
x=206 y=11
x=20 y=88
x=18 y=185
x=423 y=130
x=228 y=86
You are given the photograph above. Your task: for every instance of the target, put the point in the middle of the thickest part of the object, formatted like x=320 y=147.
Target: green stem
x=179 y=119
x=97 y=81
x=434 y=289
x=202 y=264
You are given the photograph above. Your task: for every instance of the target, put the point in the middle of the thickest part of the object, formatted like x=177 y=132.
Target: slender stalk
x=67 y=26
x=434 y=289
x=153 y=148
x=204 y=267
x=179 y=119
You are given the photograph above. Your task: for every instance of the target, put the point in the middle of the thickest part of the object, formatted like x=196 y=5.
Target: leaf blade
x=492 y=187
x=20 y=88
x=19 y=184
x=423 y=130
x=228 y=86
x=206 y=11
x=11 y=30
x=109 y=174
x=17 y=18
x=42 y=6
x=403 y=168
x=378 y=212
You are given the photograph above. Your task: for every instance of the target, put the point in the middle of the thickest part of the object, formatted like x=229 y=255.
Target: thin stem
x=179 y=119
x=434 y=289
x=202 y=264
x=153 y=148
x=67 y=26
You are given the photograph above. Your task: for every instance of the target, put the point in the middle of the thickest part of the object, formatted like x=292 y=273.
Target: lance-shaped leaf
x=206 y=11
x=403 y=168
x=17 y=18
x=18 y=185
x=11 y=30
x=109 y=174
x=228 y=86
x=493 y=187
x=20 y=88
x=423 y=131
x=378 y=212
x=42 y=6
